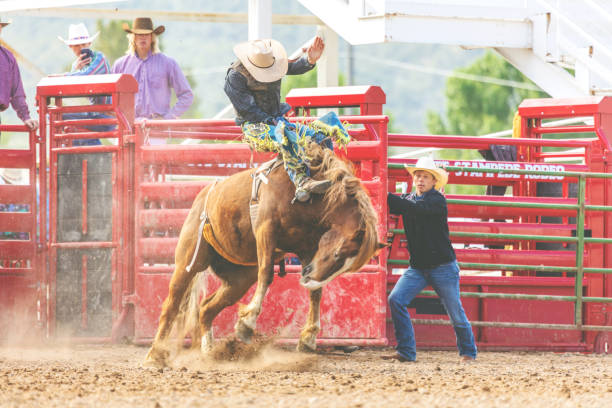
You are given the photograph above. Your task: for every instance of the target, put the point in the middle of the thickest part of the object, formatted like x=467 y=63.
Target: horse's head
x=340 y=250
x=350 y=236
x=348 y=244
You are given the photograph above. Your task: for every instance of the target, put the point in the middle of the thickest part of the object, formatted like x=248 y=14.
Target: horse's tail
x=187 y=320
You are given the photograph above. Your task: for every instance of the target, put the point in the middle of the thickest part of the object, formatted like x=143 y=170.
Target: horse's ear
x=380 y=246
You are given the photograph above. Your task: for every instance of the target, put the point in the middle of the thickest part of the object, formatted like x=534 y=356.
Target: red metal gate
x=21 y=257
x=533 y=154
x=89 y=235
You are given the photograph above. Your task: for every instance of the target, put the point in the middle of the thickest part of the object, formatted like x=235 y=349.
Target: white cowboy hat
x=266 y=59
x=78 y=34
x=427 y=164
x=13 y=176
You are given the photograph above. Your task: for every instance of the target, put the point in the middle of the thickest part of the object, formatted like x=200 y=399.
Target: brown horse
x=332 y=234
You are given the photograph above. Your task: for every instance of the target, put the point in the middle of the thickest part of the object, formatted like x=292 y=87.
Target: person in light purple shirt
x=155 y=72
x=11 y=87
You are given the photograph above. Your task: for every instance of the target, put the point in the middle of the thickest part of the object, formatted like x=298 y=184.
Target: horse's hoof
x=206 y=343
x=243 y=332
x=305 y=348
x=156 y=359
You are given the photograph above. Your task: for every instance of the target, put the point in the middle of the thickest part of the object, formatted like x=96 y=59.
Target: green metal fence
x=580 y=240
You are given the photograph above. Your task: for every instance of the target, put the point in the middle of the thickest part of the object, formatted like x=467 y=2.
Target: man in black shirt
x=432 y=260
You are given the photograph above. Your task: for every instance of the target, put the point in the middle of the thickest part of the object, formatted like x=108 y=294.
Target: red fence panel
x=89 y=237
x=533 y=152
x=22 y=289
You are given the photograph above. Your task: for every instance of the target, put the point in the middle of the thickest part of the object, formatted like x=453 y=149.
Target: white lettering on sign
x=544 y=167
x=506 y=166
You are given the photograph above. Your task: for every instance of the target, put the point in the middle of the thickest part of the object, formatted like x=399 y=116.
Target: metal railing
x=580 y=241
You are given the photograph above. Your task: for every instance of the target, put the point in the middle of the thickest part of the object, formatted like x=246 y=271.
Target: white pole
x=260 y=19
x=327 y=66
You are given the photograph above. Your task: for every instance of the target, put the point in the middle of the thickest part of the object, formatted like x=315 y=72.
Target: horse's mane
x=345 y=186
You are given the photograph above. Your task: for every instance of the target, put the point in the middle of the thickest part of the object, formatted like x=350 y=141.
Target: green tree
x=307 y=80
x=112 y=40
x=477 y=108
x=391 y=126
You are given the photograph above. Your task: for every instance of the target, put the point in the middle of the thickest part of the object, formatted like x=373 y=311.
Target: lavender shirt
x=156 y=75
x=11 y=87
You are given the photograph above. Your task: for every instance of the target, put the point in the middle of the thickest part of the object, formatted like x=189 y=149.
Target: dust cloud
x=232 y=354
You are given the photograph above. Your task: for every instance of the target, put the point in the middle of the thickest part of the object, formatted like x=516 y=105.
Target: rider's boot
x=309 y=186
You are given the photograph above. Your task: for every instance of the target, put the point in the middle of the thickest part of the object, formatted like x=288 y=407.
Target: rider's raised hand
x=315 y=50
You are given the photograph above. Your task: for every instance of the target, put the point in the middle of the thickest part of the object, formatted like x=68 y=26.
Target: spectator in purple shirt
x=155 y=72
x=11 y=87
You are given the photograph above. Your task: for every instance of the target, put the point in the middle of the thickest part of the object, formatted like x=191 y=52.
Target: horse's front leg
x=308 y=337
x=245 y=326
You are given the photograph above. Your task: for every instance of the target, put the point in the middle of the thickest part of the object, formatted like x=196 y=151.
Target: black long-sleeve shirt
x=256 y=101
x=426 y=226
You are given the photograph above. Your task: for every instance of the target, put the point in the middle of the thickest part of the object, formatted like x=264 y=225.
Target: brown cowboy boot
x=308 y=186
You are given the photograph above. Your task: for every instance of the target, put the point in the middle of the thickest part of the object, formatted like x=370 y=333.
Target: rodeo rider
x=253 y=85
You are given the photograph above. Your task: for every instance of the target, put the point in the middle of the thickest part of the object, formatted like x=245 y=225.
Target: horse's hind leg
x=229 y=293
x=179 y=285
x=308 y=336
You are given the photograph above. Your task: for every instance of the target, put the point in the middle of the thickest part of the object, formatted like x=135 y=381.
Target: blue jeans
x=445 y=281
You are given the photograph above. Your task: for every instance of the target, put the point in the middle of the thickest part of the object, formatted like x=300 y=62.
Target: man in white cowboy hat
x=432 y=260
x=156 y=73
x=88 y=62
x=253 y=85
x=11 y=87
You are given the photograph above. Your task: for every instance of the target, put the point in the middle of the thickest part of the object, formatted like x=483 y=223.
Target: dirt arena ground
x=111 y=376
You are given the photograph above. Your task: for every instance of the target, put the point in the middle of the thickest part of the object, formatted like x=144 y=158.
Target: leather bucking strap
x=203 y=221
x=205 y=229
x=260 y=175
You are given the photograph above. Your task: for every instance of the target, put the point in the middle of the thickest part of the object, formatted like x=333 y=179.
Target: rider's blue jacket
x=256 y=101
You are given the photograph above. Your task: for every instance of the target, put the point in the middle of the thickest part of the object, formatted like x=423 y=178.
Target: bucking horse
x=239 y=229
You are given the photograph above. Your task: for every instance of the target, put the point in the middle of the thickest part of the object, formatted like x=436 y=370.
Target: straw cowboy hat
x=428 y=165
x=5 y=22
x=78 y=34
x=13 y=176
x=266 y=60
x=143 y=25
